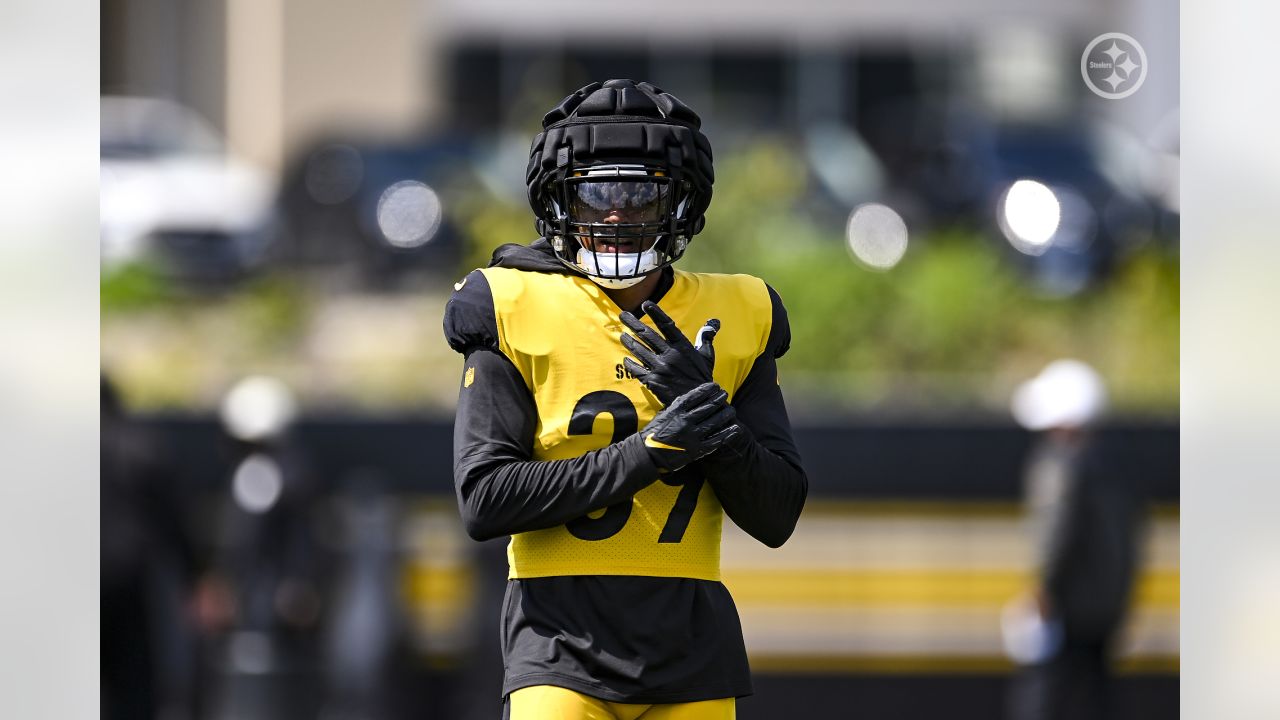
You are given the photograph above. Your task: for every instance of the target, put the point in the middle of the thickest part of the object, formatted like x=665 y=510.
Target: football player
x=600 y=437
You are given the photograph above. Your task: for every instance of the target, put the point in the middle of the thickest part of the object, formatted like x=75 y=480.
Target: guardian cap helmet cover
x=619 y=180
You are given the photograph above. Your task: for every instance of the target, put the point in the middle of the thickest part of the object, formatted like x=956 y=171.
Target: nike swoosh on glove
x=691 y=427
x=670 y=366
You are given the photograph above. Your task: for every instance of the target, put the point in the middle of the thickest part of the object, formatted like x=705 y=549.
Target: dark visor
x=644 y=201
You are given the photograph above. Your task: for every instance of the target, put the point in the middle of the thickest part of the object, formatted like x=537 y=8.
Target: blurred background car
x=366 y=210
x=170 y=188
x=954 y=165
x=1099 y=219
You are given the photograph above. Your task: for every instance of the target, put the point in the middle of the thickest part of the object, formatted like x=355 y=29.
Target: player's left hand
x=670 y=365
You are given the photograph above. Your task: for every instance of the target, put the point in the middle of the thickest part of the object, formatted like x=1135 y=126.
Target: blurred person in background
x=148 y=569
x=615 y=607
x=271 y=564
x=1085 y=511
x=366 y=628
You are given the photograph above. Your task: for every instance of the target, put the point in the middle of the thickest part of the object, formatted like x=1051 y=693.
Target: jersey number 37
x=626 y=422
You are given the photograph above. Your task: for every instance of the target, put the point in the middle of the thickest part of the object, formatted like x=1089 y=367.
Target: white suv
x=168 y=186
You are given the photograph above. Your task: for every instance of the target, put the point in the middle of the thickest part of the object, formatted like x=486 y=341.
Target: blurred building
x=275 y=74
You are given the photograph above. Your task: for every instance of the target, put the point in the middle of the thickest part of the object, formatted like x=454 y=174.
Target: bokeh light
x=258 y=408
x=257 y=484
x=1029 y=216
x=334 y=174
x=877 y=235
x=409 y=214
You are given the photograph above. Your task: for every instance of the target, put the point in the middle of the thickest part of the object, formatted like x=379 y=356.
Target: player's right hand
x=691 y=427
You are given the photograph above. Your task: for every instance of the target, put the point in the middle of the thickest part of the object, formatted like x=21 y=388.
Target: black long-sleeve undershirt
x=501 y=491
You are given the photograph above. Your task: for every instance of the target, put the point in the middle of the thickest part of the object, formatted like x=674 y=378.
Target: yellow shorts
x=548 y=702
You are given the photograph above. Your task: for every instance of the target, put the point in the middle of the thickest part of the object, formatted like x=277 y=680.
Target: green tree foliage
x=952 y=323
x=954 y=326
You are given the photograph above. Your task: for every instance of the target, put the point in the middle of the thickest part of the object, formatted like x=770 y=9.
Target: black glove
x=670 y=365
x=691 y=427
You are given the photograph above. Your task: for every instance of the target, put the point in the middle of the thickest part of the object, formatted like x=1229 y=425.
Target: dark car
x=1068 y=218
x=372 y=214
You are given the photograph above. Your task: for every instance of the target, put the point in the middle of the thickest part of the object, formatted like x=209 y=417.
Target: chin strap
x=624 y=264
x=615 y=283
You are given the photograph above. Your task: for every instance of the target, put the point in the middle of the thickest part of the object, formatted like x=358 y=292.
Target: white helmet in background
x=1066 y=394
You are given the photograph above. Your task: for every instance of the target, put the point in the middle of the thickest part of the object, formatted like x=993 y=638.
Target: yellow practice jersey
x=562 y=333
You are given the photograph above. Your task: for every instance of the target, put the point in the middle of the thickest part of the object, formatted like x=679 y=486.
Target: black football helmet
x=619 y=180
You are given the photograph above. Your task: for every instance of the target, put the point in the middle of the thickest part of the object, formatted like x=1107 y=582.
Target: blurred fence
x=866 y=459
x=891 y=589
